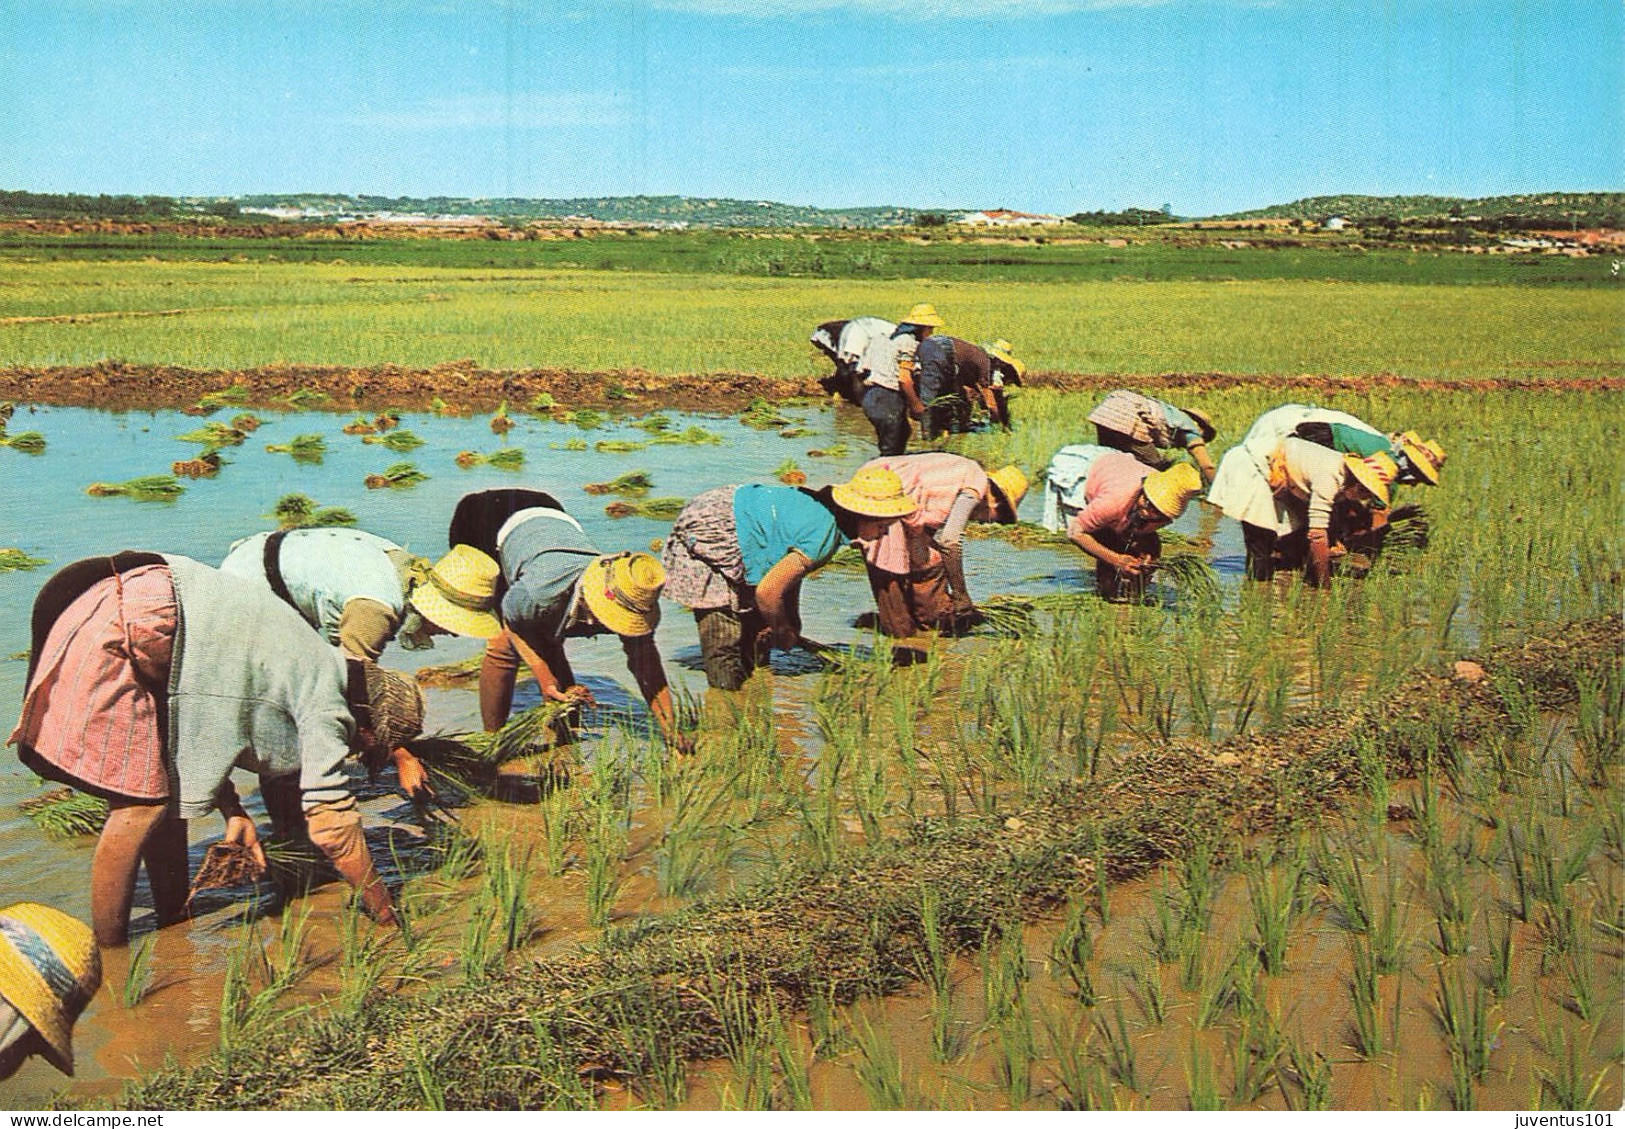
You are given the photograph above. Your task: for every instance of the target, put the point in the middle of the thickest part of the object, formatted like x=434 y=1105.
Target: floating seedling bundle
x=28 y=442
x=509 y=458
x=397 y=476
x=360 y=426
x=206 y=465
x=300 y=511
x=632 y=484
x=147 y=488
x=691 y=436
x=790 y=473
x=245 y=422
x=12 y=560
x=765 y=416
x=657 y=509
x=618 y=446
x=400 y=441
x=214 y=434
x=838 y=451
x=304 y=448
x=501 y=424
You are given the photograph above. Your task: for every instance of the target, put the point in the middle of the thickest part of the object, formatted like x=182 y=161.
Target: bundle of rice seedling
x=304 y=448
x=63 y=813
x=764 y=416
x=400 y=441
x=396 y=476
x=1408 y=530
x=360 y=426
x=509 y=458
x=691 y=437
x=570 y=445
x=303 y=396
x=500 y=423
x=632 y=484
x=1191 y=574
x=543 y=402
x=585 y=418
x=214 y=434
x=789 y=473
x=794 y=432
x=533 y=731
x=12 y=560
x=1008 y=616
x=848 y=558
x=147 y=488
x=617 y=446
x=657 y=509
x=245 y=422
x=1021 y=534
x=236 y=394
x=839 y=450
x=386 y=420
x=7 y=410
x=28 y=442
x=654 y=424
x=224 y=866
x=299 y=511
x=206 y=465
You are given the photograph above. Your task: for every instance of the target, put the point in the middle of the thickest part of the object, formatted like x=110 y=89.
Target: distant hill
x=1565 y=209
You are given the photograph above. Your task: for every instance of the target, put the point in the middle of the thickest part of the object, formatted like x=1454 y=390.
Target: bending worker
x=844 y=342
x=1144 y=427
x=1111 y=506
x=124 y=705
x=737 y=556
x=952 y=376
x=49 y=969
x=917 y=568
x=887 y=366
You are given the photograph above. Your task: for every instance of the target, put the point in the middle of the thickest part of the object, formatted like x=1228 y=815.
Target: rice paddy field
x=1246 y=846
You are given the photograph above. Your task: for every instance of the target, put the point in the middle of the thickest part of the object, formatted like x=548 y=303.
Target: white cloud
x=530 y=110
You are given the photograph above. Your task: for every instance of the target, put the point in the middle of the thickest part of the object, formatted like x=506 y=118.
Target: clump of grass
x=764 y=416
x=400 y=441
x=63 y=813
x=15 y=560
x=509 y=458
x=307 y=448
x=632 y=484
x=214 y=434
x=147 y=488
x=28 y=442
x=837 y=451
x=618 y=446
x=655 y=424
x=245 y=422
x=396 y=476
x=300 y=511
x=656 y=509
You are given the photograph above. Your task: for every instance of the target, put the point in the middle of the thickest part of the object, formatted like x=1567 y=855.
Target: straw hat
x=1375 y=472
x=1000 y=350
x=1171 y=490
x=1420 y=458
x=395 y=703
x=874 y=492
x=461 y=594
x=1206 y=425
x=1010 y=487
x=623 y=592
x=49 y=970
x=923 y=314
x=1433 y=447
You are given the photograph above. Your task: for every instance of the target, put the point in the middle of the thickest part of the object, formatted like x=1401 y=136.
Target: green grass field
x=234 y=315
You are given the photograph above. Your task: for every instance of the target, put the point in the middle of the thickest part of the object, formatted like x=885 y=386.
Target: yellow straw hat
x=1419 y=457
x=1010 y=487
x=1001 y=350
x=395 y=703
x=1171 y=490
x=461 y=594
x=623 y=592
x=923 y=314
x=874 y=492
x=49 y=970
x=1433 y=447
x=1374 y=472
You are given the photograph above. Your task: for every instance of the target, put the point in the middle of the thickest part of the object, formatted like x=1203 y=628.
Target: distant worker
x=49 y=970
x=1111 y=505
x=555 y=584
x=844 y=343
x=954 y=376
x=887 y=366
x=917 y=568
x=1145 y=427
x=737 y=555
x=152 y=677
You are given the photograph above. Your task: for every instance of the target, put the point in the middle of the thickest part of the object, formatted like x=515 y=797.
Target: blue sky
x=1047 y=105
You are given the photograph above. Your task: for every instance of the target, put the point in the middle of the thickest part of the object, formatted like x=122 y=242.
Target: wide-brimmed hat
x=923 y=314
x=49 y=970
x=1171 y=490
x=1010 y=487
x=460 y=594
x=1001 y=350
x=1202 y=422
x=1419 y=457
x=874 y=492
x=1375 y=472
x=1436 y=449
x=623 y=592
x=394 y=703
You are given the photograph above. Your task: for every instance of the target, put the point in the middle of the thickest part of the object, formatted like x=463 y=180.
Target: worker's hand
x=1133 y=566
x=784 y=636
x=241 y=832
x=414 y=777
x=577 y=695
x=680 y=742
x=1336 y=552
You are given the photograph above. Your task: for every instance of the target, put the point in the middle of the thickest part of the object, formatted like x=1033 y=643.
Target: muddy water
x=48 y=515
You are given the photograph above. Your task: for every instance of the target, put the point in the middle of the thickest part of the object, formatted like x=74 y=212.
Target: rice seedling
x=1582 y=999
x=300 y=511
x=360 y=426
x=693 y=844
x=63 y=813
x=1273 y=891
x=14 y=560
x=509 y=458
x=1463 y=1011
x=1312 y=1074
x=501 y=422
x=543 y=402
x=206 y=465
x=307 y=448
x=215 y=434
x=1119 y=1051
x=25 y=442
x=557 y=816
x=245 y=422
x=1073 y=952
x=632 y=484
x=655 y=423
x=1366 y=1010
x=147 y=488
x=1078 y=1075
x=223 y=398
x=935 y=968
x=138 y=976
x=834 y=451
x=790 y=473
x=1004 y=972
x=401 y=442
x=1016 y=1048
x=1599 y=726
x=507 y=879
x=1152 y=999
x=1502 y=950
x=1569 y=1084
x=569 y=445
x=587 y=419
x=691 y=436
x=606 y=841
x=764 y=416
x=396 y=476
x=879 y=1068
x=1256 y=1046
x=361 y=968
x=655 y=509
x=304 y=397
x=618 y=446
x=1202 y=1079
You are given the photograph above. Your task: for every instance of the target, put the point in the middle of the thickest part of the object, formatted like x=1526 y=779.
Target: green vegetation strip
x=659 y=991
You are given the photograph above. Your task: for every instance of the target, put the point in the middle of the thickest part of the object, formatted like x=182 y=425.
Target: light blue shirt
x=324 y=569
x=770 y=521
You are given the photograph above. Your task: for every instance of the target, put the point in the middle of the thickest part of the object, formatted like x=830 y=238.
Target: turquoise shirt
x=773 y=520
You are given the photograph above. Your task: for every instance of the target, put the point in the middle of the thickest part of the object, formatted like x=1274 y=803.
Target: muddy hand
x=413 y=775
x=241 y=832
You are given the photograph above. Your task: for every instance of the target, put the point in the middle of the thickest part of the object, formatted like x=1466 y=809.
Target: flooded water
x=48 y=515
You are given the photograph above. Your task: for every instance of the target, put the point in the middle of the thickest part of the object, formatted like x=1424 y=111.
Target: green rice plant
x=138 y=976
x=1078 y=1075
x=1015 y=1048
x=474 y=955
x=63 y=813
x=1119 y=1051
x=147 y=488
x=1582 y=987
x=557 y=816
x=304 y=397
x=1569 y=1084
x=655 y=509
x=225 y=397
x=361 y=966
x=569 y=445
x=508 y=458
x=1162 y=928
x=764 y=416
x=424 y=1072
x=632 y=484
x=1004 y=972
x=655 y=423
x=1256 y=1046
x=618 y=446
x=692 y=436
x=308 y=448
x=1073 y=952
x=1202 y=1079
x=507 y=879
x=694 y=842
x=215 y=434
x=299 y=511
x=1366 y=1005
x=1502 y=949
x=26 y=442
x=1341 y=875
x=1599 y=726
x=880 y=1068
x=396 y=476
x=833 y=451
x=542 y=402
x=1153 y=1000
x=1463 y=1010
x=1198 y=584
x=1312 y=1074
x=15 y=560
x=935 y=967
x=1273 y=890
x=606 y=840
x=829 y=1033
